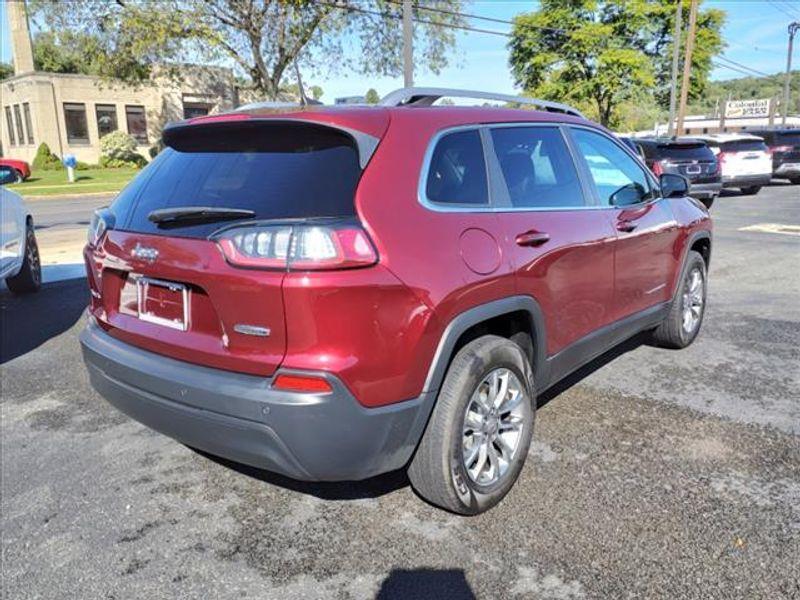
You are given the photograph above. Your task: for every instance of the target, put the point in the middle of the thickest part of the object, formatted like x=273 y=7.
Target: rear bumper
x=742 y=181
x=309 y=437
x=705 y=190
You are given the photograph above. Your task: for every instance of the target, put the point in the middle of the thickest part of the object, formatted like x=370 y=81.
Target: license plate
x=163 y=302
x=693 y=169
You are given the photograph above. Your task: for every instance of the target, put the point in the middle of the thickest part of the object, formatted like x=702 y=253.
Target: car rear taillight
x=102 y=221
x=658 y=168
x=307 y=384
x=303 y=247
x=774 y=149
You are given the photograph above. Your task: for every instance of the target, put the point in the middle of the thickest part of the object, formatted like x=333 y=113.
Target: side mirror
x=673 y=186
x=7 y=175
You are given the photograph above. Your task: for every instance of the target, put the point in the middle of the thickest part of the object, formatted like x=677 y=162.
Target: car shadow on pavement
x=410 y=584
x=28 y=321
x=373 y=487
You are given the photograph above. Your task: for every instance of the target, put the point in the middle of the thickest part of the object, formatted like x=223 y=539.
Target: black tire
x=18 y=175
x=751 y=191
x=671 y=333
x=708 y=202
x=795 y=180
x=437 y=471
x=29 y=278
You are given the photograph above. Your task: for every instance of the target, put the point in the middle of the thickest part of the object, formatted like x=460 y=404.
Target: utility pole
x=408 y=47
x=676 y=50
x=687 y=66
x=793 y=27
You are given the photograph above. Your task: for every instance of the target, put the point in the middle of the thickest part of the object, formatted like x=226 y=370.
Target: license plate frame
x=694 y=169
x=143 y=285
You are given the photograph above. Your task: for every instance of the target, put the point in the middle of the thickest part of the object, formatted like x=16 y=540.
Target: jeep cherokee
x=334 y=293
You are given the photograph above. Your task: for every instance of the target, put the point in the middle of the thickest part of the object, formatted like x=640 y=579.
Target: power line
x=791 y=7
x=724 y=66
x=781 y=8
x=458 y=14
x=741 y=66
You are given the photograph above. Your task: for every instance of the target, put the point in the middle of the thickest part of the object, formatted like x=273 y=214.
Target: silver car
x=19 y=253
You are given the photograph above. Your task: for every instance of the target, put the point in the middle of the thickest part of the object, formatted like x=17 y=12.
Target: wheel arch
x=506 y=317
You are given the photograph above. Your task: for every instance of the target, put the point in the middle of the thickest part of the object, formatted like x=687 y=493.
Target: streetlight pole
x=408 y=48
x=676 y=50
x=793 y=27
x=687 y=67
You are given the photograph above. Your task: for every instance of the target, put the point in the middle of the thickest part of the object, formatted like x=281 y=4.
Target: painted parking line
x=773 y=228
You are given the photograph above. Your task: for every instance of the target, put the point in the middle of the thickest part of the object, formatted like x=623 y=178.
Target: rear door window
x=616 y=176
x=685 y=152
x=537 y=167
x=457 y=171
x=278 y=172
x=743 y=146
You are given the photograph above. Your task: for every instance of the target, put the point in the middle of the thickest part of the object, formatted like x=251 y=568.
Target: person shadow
x=413 y=584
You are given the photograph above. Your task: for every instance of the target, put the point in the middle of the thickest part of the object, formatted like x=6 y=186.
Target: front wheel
x=751 y=191
x=682 y=324
x=479 y=433
x=29 y=278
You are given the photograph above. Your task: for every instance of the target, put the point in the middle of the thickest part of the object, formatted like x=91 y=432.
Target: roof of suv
x=727 y=137
x=668 y=141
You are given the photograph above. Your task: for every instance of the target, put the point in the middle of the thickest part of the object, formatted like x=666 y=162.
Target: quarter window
x=137 y=123
x=18 y=119
x=75 y=121
x=457 y=171
x=10 y=127
x=26 y=110
x=537 y=167
x=616 y=176
x=106 y=118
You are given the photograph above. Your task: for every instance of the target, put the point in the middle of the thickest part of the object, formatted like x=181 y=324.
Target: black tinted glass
x=457 y=172
x=537 y=167
x=685 y=151
x=787 y=139
x=302 y=176
x=743 y=146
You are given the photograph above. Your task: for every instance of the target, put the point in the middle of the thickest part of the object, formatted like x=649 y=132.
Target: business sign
x=747 y=108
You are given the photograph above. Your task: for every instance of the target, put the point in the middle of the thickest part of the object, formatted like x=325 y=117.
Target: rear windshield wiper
x=186 y=215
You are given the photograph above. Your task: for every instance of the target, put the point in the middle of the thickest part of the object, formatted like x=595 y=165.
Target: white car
x=19 y=253
x=744 y=160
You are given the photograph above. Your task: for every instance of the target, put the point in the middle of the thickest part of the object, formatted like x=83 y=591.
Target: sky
x=755 y=31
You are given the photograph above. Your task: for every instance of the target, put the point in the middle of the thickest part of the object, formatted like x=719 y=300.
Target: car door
x=561 y=246
x=645 y=260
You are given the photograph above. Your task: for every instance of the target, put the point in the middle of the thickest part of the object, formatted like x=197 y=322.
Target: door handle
x=532 y=238
x=626 y=226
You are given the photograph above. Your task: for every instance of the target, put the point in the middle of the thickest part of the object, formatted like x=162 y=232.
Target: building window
x=137 y=123
x=18 y=119
x=10 y=127
x=26 y=111
x=193 y=110
x=106 y=119
x=75 y=120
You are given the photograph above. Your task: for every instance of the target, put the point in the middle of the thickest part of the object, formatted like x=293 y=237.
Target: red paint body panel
x=20 y=165
x=378 y=328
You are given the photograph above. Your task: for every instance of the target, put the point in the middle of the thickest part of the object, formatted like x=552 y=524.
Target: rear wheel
x=479 y=433
x=18 y=175
x=682 y=324
x=29 y=278
x=751 y=191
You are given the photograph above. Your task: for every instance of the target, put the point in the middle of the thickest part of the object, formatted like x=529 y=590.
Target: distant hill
x=746 y=88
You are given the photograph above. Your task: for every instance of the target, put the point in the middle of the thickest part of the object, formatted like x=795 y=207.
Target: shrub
x=45 y=160
x=118 y=149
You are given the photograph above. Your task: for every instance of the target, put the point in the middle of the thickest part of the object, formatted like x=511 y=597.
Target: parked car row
x=745 y=161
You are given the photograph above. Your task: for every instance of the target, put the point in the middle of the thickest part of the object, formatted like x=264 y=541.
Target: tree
x=6 y=71
x=599 y=54
x=263 y=38
x=372 y=97
x=67 y=53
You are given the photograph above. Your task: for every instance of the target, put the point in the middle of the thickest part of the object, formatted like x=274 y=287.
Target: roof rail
x=425 y=96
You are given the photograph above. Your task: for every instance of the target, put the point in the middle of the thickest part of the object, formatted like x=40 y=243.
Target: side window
x=457 y=171
x=618 y=178
x=537 y=167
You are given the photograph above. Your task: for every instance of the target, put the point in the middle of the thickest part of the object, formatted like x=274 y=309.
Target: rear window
x=787 y=139
x=276 y=171
x=685 y=151
x=743 y=146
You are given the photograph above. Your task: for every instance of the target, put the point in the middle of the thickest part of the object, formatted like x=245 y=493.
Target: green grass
x=53 y=183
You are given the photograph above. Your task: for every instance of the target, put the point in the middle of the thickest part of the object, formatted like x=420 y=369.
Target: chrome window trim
x=491 y=207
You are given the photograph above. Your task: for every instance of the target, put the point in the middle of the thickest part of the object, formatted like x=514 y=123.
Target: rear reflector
x=302 y=383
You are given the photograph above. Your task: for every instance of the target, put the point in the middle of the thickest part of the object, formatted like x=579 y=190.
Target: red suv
x=335 y=293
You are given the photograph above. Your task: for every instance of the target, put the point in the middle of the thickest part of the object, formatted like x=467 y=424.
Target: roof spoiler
x=426 y=96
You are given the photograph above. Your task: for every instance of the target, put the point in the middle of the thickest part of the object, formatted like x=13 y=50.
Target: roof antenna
x=303 y=98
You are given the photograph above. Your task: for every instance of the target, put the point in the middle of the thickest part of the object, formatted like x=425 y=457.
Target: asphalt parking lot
x=654 y=473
